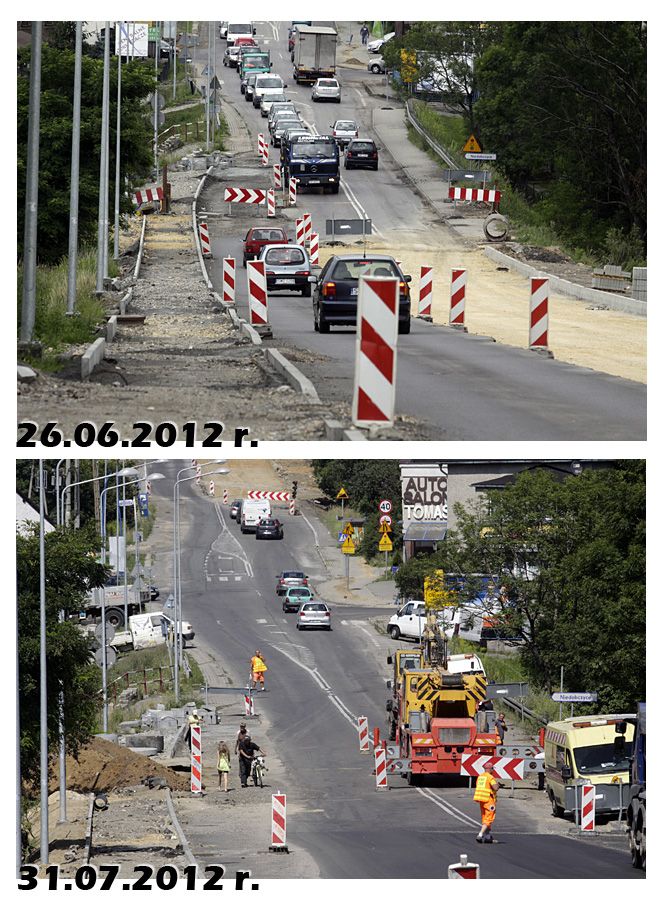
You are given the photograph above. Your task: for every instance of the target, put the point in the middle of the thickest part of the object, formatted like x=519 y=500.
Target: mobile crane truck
x=636 y=812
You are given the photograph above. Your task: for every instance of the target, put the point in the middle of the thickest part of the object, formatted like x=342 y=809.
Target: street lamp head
x=129 y=470
x=156 y=476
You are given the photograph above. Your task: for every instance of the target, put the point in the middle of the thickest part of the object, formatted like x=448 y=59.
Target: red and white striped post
x=198 y=474
x=225 y=496
x=261 y=143
x=314 y=248
x=425 y=293
x=293 y=191
x=249 y=704
x=270 y=197
x=277 y=176
x=212 y=488
x=257 y=292
x=264 y=158
x=229 y=279
x=463 y=869
x=539 y=319
x=307 y=218
x=204 y=239
x=278 y=823
x=374 y=386
x=380 y=758
x=457 y=298
x=196 y=759
x=363 y=733
x=292 y=507
x=587 y=807
x=300 y=231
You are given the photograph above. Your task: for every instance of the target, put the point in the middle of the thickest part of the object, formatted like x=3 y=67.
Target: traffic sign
x=215 y=84
x=348 y=546
x=385 y=544
x=348 y=529
x=384 y=528
x=342 y=495
x=472 y=145
x=481 y=155
x=583 y=697
x=385 y=518
x=342 y=537
x=518 y=750
x=385 y=506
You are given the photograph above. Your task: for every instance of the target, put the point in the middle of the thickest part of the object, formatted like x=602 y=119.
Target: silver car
x=268 y=98
x=326 y=89
x=287 y=268
x=280 y=125
x=314 y=615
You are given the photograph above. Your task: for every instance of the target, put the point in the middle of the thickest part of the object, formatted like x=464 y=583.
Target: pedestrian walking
x=241 y=736
x=485 y=795
x=224 y=765
x=247 y=750
x=364 y=33
x=501 y=726
x=258 y=669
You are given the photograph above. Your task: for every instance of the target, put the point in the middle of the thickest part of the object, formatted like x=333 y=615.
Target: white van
x=252 y=512
x=409 y=621
x=237 y=30
x=264 y=83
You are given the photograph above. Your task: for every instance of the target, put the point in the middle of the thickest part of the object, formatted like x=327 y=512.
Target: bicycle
x=257 y=770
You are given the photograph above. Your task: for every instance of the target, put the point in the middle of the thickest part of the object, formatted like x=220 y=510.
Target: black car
x=269 y=528
x=361 y=153
x=336 y=289
x=235 y=509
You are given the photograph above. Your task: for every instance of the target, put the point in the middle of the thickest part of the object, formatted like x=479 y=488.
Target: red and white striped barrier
x=463 y=869
x=148 y=196
x=264 y=157
x=425 y=292
x=587 y=807
x=292 y=507
x=293 y=191
x=229 y=279
x=380 y=757
x=249 y=704
x=225 y=496
x=204 y=239
x=270 y=196
x=472 y=764
x=457 y=298
x=245 y=195
x=277 y=176
x=474 y=195
x=307 y=218
x=196 y=759
x=539 y=320
x=363 y=733
x=212 y=488
x=300 y=231
x=257 y=292
x=261 y=143
x=375 y=357
x=278 y=820
x=280 y=496
x=314 y=248
x=198 y=474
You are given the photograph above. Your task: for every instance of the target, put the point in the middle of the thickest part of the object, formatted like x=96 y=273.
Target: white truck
x=149 y=629
x=252 y=512
x=314 y=54
x=410 y=620
x=236 y=30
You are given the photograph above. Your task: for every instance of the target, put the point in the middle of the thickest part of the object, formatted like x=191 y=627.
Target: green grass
x=53 y=328
x=449 y=131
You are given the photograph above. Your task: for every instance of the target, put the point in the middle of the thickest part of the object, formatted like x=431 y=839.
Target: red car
x=256 y=238
x=245 y=42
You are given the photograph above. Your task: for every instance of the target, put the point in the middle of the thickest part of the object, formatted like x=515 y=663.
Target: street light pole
x=103 y=186
x=29 y=302
x=75 y=179
x=118 y=27
x=43 y=682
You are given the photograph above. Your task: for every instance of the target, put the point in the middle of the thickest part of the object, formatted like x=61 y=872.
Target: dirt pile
x=102 y=766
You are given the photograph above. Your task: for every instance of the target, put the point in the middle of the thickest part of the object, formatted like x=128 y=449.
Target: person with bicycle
x=247 y=750
x=258 y=668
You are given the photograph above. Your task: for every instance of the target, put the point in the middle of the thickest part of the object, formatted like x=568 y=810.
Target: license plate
x=285 y=281
x=354 y=291
x=363 y=155
x=314 y=181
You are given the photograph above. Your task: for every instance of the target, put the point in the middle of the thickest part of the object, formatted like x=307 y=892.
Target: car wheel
x=346 y=166
x=307 y=291
x=395 y=632
x=298 y=626
x=284 y=609
x=324 y=327
x=404 y=327
x=557 y=810
x=245 y=262
x=316 y=322
x=376 y=167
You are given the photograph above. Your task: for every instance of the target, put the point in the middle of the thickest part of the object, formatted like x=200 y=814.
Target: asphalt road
x=318 y=682
x=461 y=387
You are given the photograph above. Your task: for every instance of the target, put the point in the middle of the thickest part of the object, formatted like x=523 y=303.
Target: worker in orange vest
x=485 y=795
x=257 y=669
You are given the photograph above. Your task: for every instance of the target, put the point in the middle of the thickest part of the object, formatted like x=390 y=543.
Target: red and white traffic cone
x=300 y=232
x=457 y=299
x=257 y=292
x=374 y=387
x=293 y=191
x=270 y=196
x=277 y=176
x=229 y=279
x=425 y=293
x=539 y=315
x=314 y=248
x=204 y=239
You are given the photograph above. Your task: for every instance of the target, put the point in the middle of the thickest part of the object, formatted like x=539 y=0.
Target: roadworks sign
x=349 y=528
x=348 y=546
x=384 y=528
x=342 y=495
x=472 y=145
x=385 y=543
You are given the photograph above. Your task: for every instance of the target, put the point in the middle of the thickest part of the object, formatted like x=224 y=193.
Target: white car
x=326 y=89
x=314 y=615
x=376 y=66
x=375 y=45
x=270 y=97
x=266 y=82
x=344 y=130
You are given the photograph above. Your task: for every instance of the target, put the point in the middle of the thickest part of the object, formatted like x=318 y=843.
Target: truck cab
x=313 y=160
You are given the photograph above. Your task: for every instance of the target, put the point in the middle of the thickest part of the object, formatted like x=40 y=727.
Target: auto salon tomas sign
x=424 y=493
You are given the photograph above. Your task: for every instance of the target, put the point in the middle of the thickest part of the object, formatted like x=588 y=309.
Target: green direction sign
x=154 y=33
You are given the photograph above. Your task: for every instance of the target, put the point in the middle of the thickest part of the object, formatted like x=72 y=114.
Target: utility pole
x=75 y=179
x=29 y=303
x=103 y=186
x=118 y=28
x=213 y=31
x=156 y=55
x=43 y=680
x=208 y=86
x=174 y=67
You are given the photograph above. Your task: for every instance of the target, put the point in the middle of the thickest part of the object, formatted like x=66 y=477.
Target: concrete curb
x=335 y=431
x=183 y=840
x=111 y=329
x=561 y=286
x=91 y=358
x=247 y=329
x=294 y=376
x=200 y=186
x=88 y=832
x=138 y=263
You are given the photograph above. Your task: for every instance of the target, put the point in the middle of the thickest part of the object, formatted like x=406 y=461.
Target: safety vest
x=484 y=792
x=258 y=665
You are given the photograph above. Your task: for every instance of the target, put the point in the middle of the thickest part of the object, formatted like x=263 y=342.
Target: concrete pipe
x=496 y=227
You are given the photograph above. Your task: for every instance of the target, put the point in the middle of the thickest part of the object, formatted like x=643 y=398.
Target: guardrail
x=523 y=711
x=414 y=121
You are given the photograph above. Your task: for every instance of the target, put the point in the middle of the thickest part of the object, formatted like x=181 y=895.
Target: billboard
x=132 y=40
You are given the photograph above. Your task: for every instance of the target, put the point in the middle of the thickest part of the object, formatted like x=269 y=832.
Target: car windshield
x=345 y=126
x=267 y=234
x=272 y=97
x=352 y=269
x=298 y=592
x=273 y=82
x=362 y=145
x=293 y=574
x=285 y=256
x=239 y=29
x=322 y=149
x=602 y=759
x=252 y=60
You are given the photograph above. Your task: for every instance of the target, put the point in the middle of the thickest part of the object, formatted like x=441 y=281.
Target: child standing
x=224 y=765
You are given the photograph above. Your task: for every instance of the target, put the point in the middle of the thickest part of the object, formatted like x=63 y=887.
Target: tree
x=71 y=570
x=57 y=69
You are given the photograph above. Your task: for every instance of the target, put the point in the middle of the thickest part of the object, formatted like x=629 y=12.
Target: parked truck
x=314 y=53
x=636 y=811
x=116 y=604
x=148 y=630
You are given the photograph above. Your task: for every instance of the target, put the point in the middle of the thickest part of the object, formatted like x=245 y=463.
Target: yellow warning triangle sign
x=342 y=495
x=472 y=145
x=385 y=543
x=348 y=546
x=348 y=529
x=385 y=528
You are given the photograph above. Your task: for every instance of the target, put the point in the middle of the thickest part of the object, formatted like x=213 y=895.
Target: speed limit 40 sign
x=385 y=506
